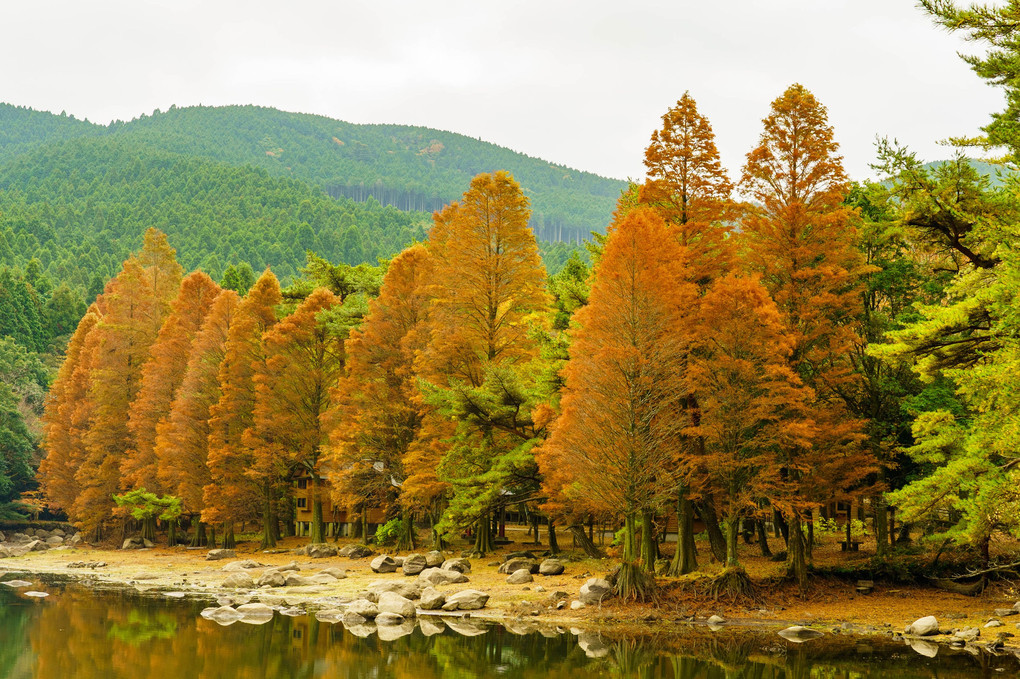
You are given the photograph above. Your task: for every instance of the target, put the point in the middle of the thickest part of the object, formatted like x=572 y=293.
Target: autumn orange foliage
x=615 y=444
x=294 y=387
x=751 y=404
x=688 y=187
x=238 y=489
x=66 y=417
x=378 y=410
x=136 y=303
x=800 y=240
x=162 y=374
x=182 y=439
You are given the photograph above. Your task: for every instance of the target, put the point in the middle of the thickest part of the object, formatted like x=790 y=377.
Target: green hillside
x=22 y=128
x=81 y=206
x=411 y=168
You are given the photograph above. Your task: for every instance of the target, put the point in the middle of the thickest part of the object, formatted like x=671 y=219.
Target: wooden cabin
x=336 y=518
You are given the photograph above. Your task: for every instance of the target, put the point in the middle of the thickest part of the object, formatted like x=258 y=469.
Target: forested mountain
x=412 y=168
x=80 y=206
x=22 y=127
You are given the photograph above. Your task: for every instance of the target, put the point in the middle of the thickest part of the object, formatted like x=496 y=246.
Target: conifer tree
x=616 y=441
x=66 y=415
x=377 y=412
x=750 y=404
x=182 y=439
x=239 y=488
x=800 y=240
x=688 y=187
x=294 y=386
x=136 y=303
x=162 y=374
x=489 y=292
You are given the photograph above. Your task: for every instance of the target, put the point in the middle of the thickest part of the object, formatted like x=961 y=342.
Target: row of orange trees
x=701 y=361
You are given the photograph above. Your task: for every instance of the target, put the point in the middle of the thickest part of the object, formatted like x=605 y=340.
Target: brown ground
x=827 y=603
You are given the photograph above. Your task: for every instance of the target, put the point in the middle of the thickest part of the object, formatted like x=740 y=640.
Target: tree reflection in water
x=84 y=634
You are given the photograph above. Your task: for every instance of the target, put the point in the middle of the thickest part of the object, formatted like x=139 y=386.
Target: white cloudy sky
x=579 y=82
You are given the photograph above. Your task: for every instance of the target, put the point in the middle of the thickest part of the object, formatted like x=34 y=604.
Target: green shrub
x=387 y=533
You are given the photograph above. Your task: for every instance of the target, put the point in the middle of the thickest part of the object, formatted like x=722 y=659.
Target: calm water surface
x=80 y=633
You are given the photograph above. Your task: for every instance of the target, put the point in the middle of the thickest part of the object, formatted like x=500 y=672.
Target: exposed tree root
x=635 y=583
x=734 y=584
x=948 y=585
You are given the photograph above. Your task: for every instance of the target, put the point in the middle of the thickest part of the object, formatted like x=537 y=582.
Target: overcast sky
x=581 y=83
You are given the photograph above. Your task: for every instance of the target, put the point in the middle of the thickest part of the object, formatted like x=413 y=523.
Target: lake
x=109 y=634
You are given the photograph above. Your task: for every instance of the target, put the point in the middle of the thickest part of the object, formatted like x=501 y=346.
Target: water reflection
x=80 y=633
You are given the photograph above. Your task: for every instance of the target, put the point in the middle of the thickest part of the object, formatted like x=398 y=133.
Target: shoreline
x=183 y=573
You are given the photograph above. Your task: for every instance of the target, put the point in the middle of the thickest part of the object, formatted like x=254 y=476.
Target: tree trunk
x=716 y=539
x=795 y=558
x=268 y=534
x=438 y=543
x=782 y=526
x=629 y=543
x=212 y=536
x=198 y=539
x=554 y=546
x=149 y=528
x=318 y=533
x=763 y=537
x=903 y=538
x=274 y=521
x=810 y=544
x=364 y=525
x=405 y=539
x=732 y=524
x=881 y=526
x=229 y=541
x=483 y=536
x=171 y=530
x=585 y=541
x=685 y=559
x=534 y=527
x=647 y=541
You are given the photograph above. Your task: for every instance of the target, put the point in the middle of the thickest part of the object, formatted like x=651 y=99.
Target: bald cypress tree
x=800 y=239
x=239 y=488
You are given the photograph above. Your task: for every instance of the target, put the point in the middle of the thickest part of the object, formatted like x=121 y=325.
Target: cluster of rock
x=391 y=602
x=521 y=567
x=280 y=576
x=416 y=564
x=35 y=540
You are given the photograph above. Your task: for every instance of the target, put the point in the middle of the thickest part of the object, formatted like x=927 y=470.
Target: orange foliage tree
x=162 y=374
x=294 y=387
x=750 y=402
x=377 y=413
x=136 y=303
x=238 y=485
x=688 y=187
x=488 y=295
x=182 y=438
x=66 y=417
x=800 y=238
x=616 y=441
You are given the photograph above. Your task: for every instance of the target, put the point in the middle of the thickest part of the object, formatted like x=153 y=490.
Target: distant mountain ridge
x=411 y=168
